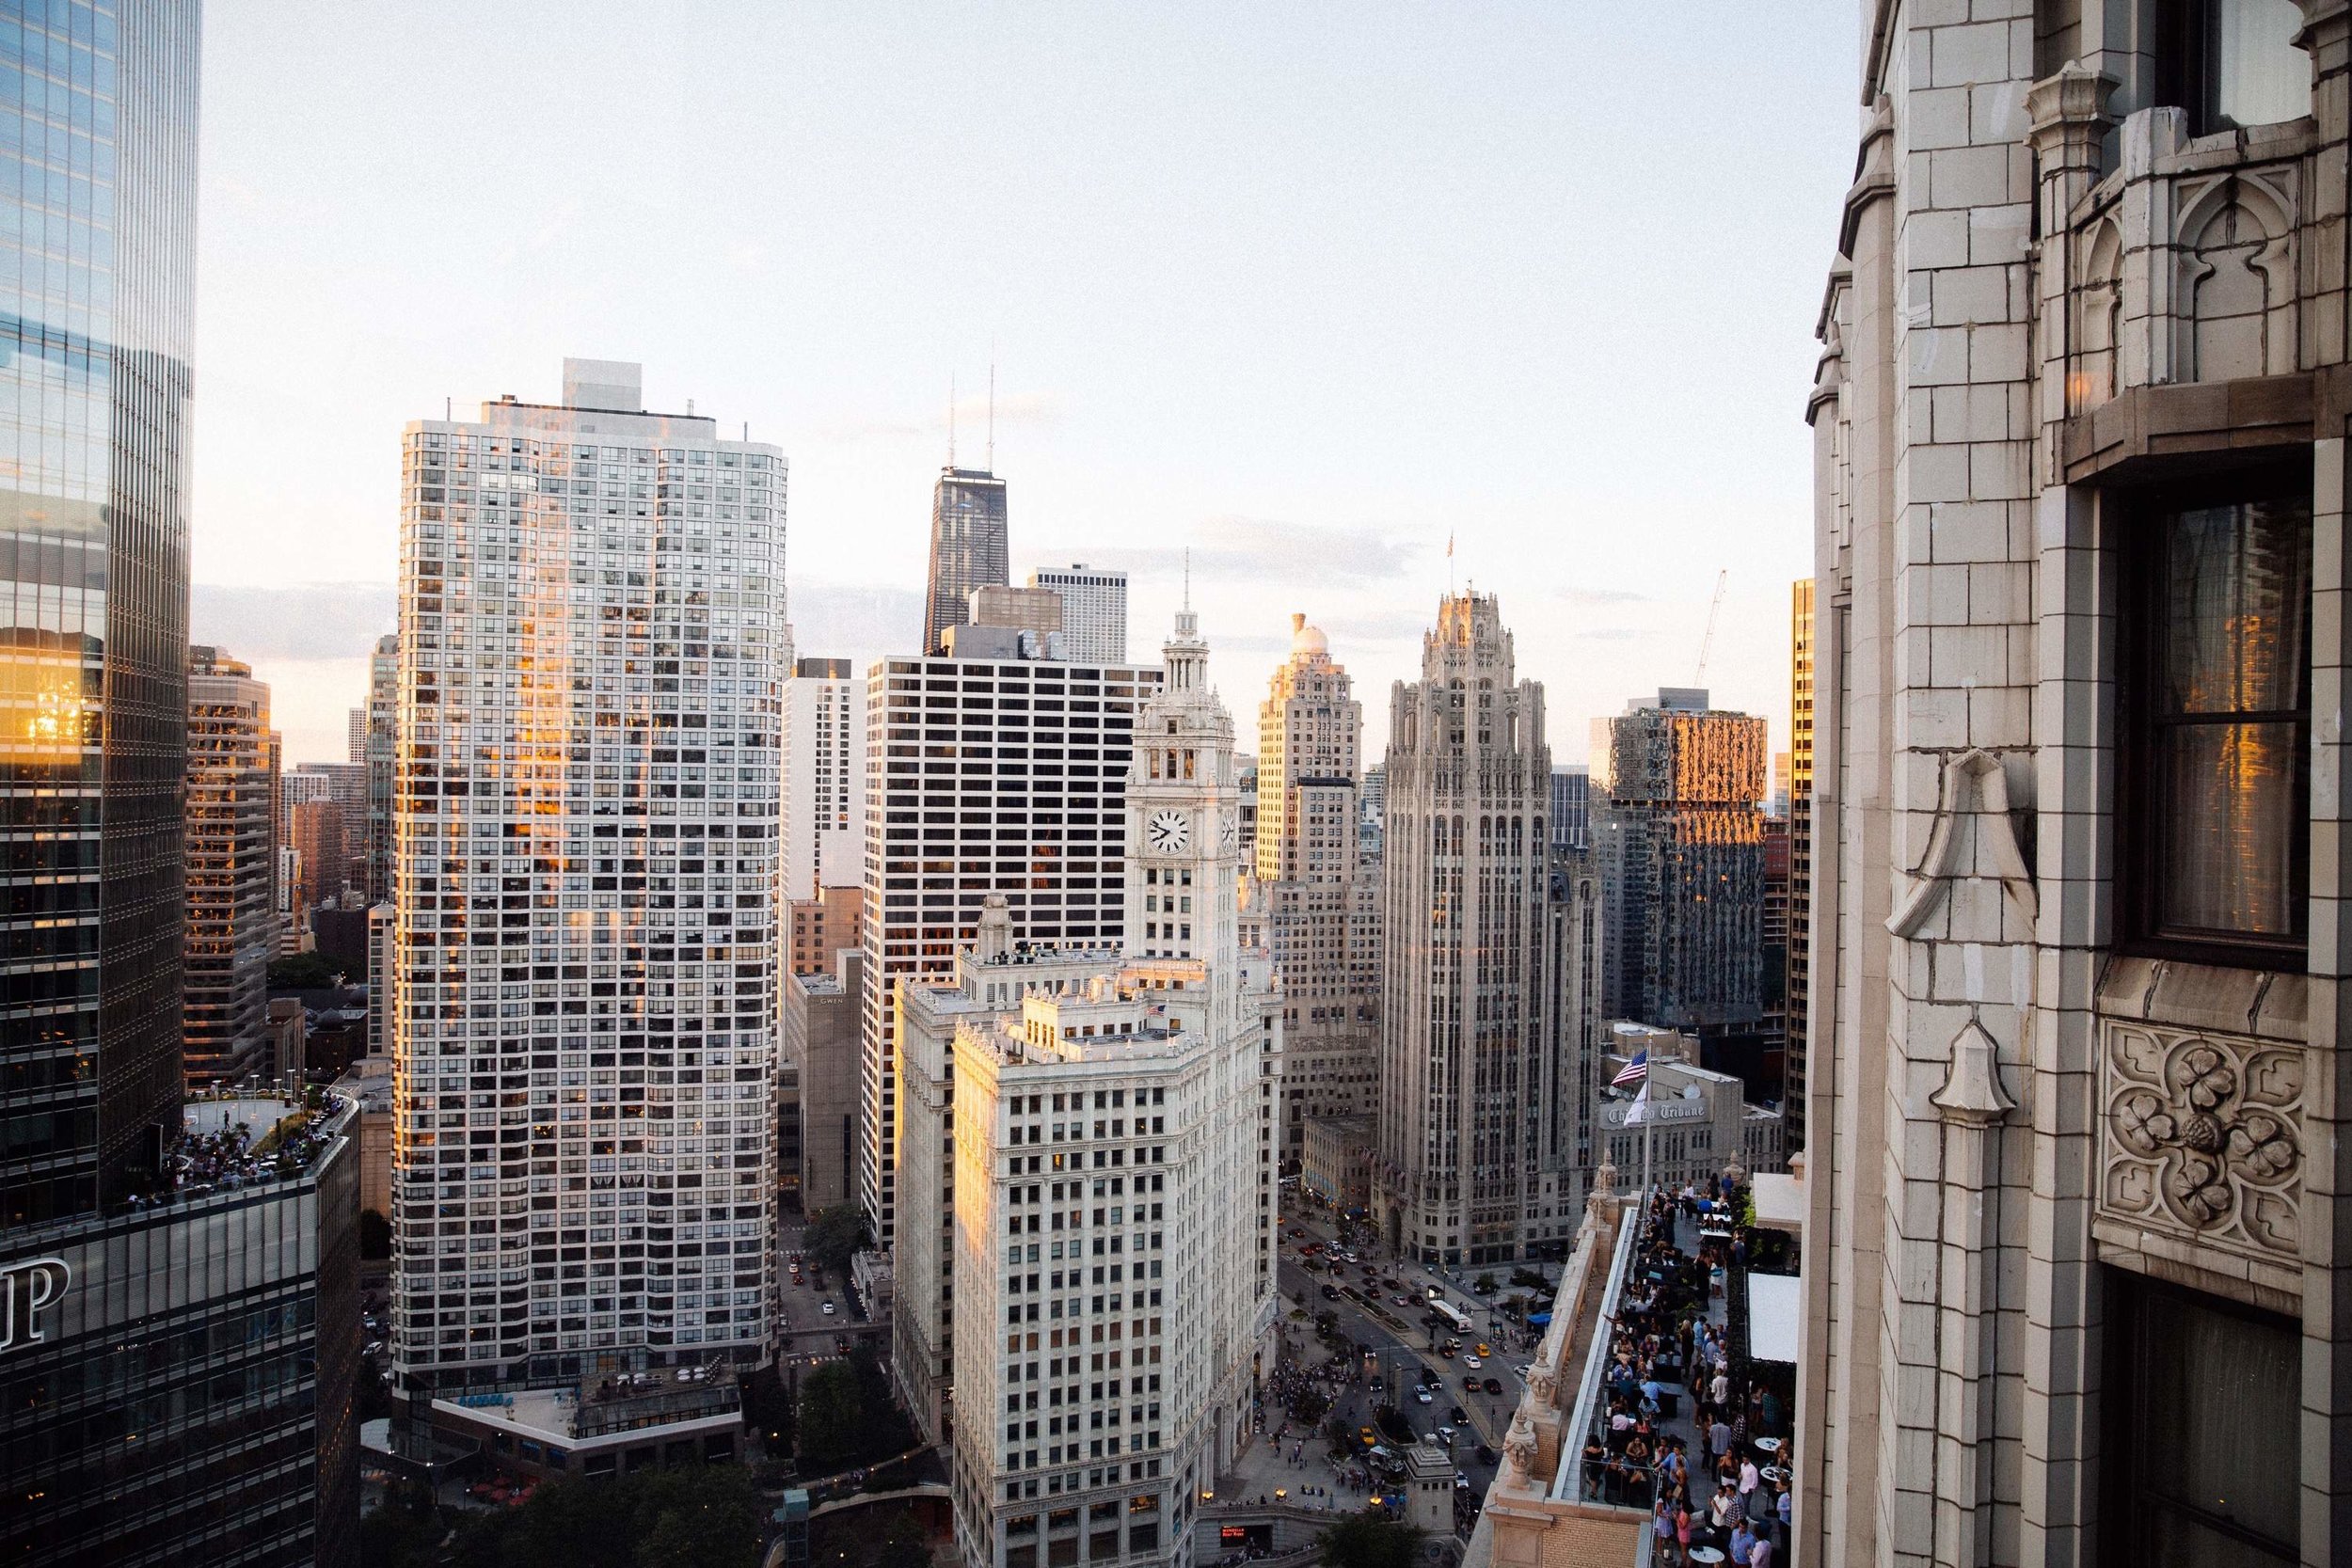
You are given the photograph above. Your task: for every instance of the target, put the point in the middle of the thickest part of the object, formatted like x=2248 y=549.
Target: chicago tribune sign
x=1655 y=1110
x=26 y=1289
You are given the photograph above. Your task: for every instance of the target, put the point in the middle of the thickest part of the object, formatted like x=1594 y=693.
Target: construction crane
x=1708 y=640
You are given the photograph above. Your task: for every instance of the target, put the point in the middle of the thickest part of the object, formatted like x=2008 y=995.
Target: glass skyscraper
x=970 y=546
x=179 y=1310
x=98 y=111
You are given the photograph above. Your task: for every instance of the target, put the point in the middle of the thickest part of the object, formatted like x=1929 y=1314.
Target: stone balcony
x=2193 y=297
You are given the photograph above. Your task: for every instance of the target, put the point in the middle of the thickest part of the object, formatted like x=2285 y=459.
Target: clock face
x=1228 y=830
x=1166 y=832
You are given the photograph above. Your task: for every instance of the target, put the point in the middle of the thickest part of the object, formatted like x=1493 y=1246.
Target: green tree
x=1309 y=1404
x=302 y=971
x=1369 y=1540
x=904 y=1545
x=834 y=1237
x=699 y=1518
x=833 y=1411
x=1484 y=1285
x=768 y=1406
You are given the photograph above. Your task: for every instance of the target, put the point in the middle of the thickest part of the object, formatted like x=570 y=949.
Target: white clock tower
x=1183 y=850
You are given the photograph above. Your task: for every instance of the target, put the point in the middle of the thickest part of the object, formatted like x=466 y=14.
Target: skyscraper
x=347 y=785
x=2076 y=1239
x=232 y=869
x=825 y=779
x=180 y=1366
x=316 y=832
x=94 y=564
x=1475 y=1128
x=1571 y=807
x=377 y=751
x=1093 y=610
x=584 y=838
x=970 y=544
x=1680 y=839
x=1800 y=855
x=1309 y=856
x=1154 y=1078
x=1002 y=776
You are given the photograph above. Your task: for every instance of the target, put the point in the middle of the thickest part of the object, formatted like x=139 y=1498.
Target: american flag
x=1634 y=1071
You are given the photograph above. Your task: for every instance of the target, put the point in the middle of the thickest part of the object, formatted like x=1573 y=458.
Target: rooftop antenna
x=951 y=419
x=991 y=408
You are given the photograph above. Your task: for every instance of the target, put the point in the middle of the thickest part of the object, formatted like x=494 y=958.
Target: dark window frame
x=2138 y=806
x=2185 y=64
x=2125 y=1385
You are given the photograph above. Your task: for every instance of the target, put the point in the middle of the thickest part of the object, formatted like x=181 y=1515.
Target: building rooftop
x=631 y=1403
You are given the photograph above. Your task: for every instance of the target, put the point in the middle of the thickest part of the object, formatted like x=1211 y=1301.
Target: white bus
x=1450 y=1313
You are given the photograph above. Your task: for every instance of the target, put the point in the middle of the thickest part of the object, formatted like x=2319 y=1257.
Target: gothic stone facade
x=2075 y=1277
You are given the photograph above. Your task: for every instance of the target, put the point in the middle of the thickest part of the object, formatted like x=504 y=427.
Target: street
x=1400 y=1346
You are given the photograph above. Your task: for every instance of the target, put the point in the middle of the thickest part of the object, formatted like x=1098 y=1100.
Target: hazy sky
x=1304 y=287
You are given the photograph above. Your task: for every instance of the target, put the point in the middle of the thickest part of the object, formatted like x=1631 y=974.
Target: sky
x=1308 y=289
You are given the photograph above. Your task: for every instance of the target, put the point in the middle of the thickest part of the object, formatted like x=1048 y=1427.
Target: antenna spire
x=991 y=408
x=951 y=419
x=1187 y=577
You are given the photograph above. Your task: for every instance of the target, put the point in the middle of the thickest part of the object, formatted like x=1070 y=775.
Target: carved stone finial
x=1605 y=1180
x=1544 y=1383
x=1972 y=1090
x=1735 y=1172
x=1518 y=1448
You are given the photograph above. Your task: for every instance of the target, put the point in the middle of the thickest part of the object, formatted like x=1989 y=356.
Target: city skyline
x=1324 y=461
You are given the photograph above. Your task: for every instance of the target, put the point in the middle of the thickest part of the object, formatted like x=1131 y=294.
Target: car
x=1461 y=1416
x=1486 y=1454
x=1494 y=1385
x=1368 y=1435
x=1444 y=1435
x=1525 y=1370
x=373 y=1347
x=1483 y=1351
x=1469 y=1381
x=826 y=1308
x=1446 y=1351
x=1423 y=1395
x=1461 y=1481
x=1330 y=1292
x=1297 y=1234
x=1472 y=1360
x=1402 y=1302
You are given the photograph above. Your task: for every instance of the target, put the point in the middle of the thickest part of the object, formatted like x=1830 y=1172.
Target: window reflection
x=2253 y=73
x=2229 y=720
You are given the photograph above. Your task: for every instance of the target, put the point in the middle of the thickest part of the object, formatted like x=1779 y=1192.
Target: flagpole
x=1649 y=1116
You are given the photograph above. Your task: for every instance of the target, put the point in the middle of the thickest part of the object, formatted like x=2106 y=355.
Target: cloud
x=1259 y=550
x=1593 y=598
x=295 y=621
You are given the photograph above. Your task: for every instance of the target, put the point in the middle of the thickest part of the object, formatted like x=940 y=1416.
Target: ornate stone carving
x=1973 y=786
x=2200 y=1135
x=1518 y=1448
